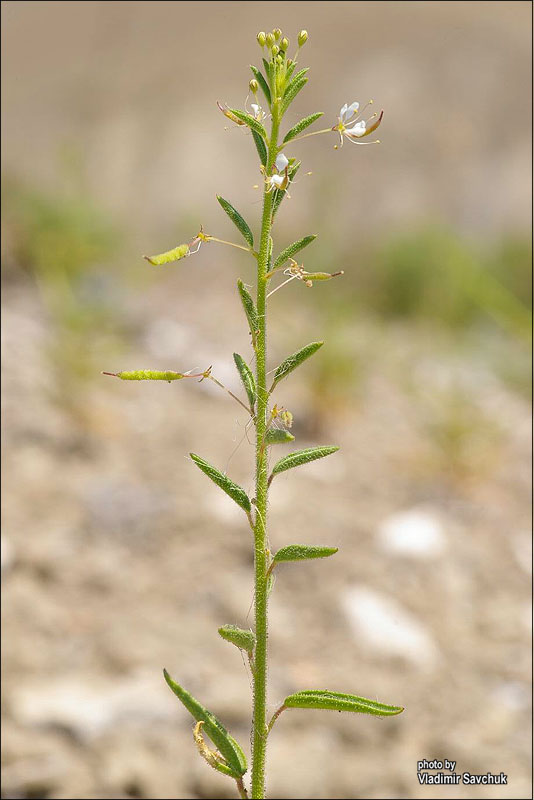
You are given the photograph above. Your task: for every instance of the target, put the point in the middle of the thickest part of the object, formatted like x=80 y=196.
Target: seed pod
x=337 y=701
x=171 y=255
x=245 y=640
x=148 y=375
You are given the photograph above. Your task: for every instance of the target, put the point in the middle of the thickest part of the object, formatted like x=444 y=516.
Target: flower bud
x=261 y=38
x=269 y=39
x=277 y=33
x=253 y=86
x=284 y=44
x=275 y=50
x=303 y=38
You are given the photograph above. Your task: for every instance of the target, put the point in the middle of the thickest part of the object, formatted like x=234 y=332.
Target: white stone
x=416 y=533
x=382 y=624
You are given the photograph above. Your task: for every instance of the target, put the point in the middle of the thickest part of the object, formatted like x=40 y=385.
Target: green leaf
x=298 y=82
x=278 y=194
x=301 y=126
x=249 y=120
x=237 y=219
x=223 y=481
x=268 y=69
x=290 y=251
x=291 y=69
x=171 y=255
x=337 y=701
x=301 y=457
x=249 y=308
x=302 y=552
x=262 y=82
x=260 y=147
x=294 y=360
x=245 y=640
x=225 y=744
x=247 y=377
x=278 y=436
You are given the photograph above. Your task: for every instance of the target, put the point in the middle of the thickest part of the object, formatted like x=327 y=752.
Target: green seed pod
x=269 y=40
x=277 y=33
x=149 y=375
x=261 y=38
x=253 y=86
x=303 y=38
x=171 y=255
x=245 y=640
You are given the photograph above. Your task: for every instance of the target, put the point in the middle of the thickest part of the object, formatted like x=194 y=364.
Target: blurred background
x=118 y=556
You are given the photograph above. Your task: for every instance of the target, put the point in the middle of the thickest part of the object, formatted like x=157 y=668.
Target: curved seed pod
x=278 y=436
x=245 y=640
x=301 y=457
x=149 y=375
x=260 y=147
x=294 y=360
x=302 y=552
x=249 y=120
x=290 y=251
x=302 y=125
x=247 y=377
x=171 y=255
x=234 y=491
x=337 y=701
x=262 y=82
x=226 y=744
x=237 y=219
x=250 y=309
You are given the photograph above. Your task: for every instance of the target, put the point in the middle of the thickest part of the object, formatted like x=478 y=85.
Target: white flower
x=279 y=179
x=349 y=115
x=258 y=112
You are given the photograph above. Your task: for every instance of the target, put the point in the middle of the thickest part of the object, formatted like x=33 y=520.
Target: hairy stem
x=259 y=726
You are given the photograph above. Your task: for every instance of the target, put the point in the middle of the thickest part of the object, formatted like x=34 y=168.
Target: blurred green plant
x=64 y=243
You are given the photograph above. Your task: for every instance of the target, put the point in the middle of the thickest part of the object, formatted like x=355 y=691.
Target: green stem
x=259 y=726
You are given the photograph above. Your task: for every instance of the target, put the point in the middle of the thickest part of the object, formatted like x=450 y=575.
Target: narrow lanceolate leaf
x=260 y=147
x=293 y=361
x=148 y=375
x=249 y=120
x=225 y=744
x=245 y=640
x=237 y=219
x=223 y=481
x=171 y=255
x=247 y=377
x=302 y=552
x=301 y=457
x=250 y=309
x=337 y=701
x=297 y=77
x=297 y=129
x=262 y=82
x=278 y=194
x=294 y=248
x=268 y=69
x=293 y=89
x=278 y=436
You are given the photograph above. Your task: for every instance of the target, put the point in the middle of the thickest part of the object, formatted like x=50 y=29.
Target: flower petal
x=358 y=130
x=281 y=162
